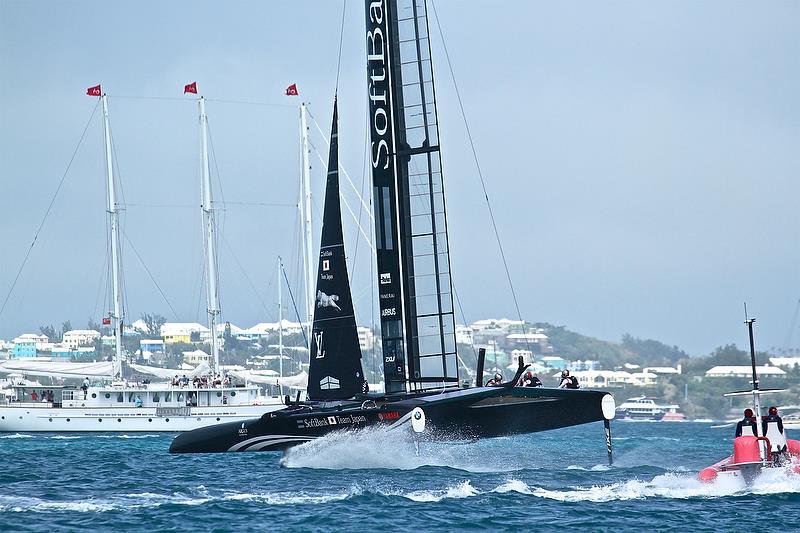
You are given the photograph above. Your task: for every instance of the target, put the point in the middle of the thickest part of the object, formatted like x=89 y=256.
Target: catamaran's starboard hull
x=466 y=414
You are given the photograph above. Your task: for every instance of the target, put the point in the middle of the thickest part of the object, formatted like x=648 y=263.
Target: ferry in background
x=644 y=408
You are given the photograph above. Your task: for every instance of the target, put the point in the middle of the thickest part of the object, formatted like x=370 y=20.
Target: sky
x=641 y=159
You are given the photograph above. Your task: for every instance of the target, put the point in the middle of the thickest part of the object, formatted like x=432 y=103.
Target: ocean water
x=371 y=481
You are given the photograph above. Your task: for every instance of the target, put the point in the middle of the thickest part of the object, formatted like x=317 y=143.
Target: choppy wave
x=388 y=449
x=16 y=436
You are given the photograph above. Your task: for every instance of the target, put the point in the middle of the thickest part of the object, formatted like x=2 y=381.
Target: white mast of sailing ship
x=209 y=222
x=280 y=323
x=118 y=315
x=309 y=263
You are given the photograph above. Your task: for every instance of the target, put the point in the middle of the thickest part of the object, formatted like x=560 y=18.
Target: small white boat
x=644 y=408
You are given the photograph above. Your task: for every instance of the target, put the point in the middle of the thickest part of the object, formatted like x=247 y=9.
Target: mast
x=411 y=241
x=308 y=255
x=209 y=222
x=756 y=395
x=116 y=269
x=280 y=320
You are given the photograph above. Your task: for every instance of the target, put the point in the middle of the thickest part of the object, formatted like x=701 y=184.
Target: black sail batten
x=335 y=371
x=415 y=290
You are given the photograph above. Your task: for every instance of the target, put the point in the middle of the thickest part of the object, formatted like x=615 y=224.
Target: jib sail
x=335 y=371
x=415 y=291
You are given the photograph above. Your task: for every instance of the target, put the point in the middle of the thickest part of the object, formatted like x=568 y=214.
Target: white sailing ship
x=121 y=406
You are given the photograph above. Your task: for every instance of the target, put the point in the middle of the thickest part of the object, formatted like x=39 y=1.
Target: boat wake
x=671 y=485
x=383 y=448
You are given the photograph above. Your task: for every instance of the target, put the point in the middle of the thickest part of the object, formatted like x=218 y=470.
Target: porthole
x=50 y=419
x=67 y=419
x=94 y=395
x=108 y=395
x=166 y=420
x=219 y=394
x=149 y=419
x=119 y=420
x=99 y=419
x=20 y=418
x=233 y=393
x=217 y=419
x=2 y=418
x=198 y=419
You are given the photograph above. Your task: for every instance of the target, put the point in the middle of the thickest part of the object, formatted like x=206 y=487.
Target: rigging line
x=341 y=38
x=790 y=335
x=480 y=173
x=463 y=316
x=244 y=272
x=294 y=304
x=47 y=211
x=245 y=102
x=352 y=214
x=341 y=167
x=361 y=194
x=132 y=97
x=153 y=279
x=169 y=206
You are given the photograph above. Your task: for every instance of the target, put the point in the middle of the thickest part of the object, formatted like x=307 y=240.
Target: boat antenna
x=341 y=38
x=749 y=322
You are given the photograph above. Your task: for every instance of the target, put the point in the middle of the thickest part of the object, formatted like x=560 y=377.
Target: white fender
x=418 y=420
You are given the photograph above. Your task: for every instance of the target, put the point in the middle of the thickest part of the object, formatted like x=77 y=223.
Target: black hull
x=465 y=414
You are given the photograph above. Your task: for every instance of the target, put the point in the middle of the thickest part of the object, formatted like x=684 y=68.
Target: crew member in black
x=772 y=417
x=748 y=420
x=567 y=381
x=529 y=380
x=496 y=381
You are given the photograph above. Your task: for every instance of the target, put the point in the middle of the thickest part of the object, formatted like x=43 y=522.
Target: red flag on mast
x=291 y=90
x=191 y=88
x=106 y=321
x=94 y=91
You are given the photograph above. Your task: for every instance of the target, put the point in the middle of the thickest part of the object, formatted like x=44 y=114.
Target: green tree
x=49 y=332
x=65 y=327
x=153 y=323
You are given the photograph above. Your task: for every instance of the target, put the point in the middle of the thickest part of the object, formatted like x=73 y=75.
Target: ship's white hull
x=106 y=419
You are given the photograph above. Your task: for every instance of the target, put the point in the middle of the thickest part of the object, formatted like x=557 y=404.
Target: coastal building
x=152 y=345
x=196 y=357
x=554 y=361
x=787 y=362
x=613 y=378
x=80 y=337
x=65 y=352
x=464 y=335
x=173 y=332
x=537 y=342
x=26 y=345
x=492 y=323
x=365 y=338
x=663 y=370
x=527 y=357
x=744 y=371
x=588 y=364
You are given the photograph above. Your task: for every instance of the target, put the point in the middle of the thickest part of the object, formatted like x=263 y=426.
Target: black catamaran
x=422 y=388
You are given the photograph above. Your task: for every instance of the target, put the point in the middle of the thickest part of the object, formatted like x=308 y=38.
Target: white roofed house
x=744 y=371
x=365 y=338
x=536 y=342
x=80 y=337
x=464 y=335
x=196 y=357
x=185 y=332
x=786 y=362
